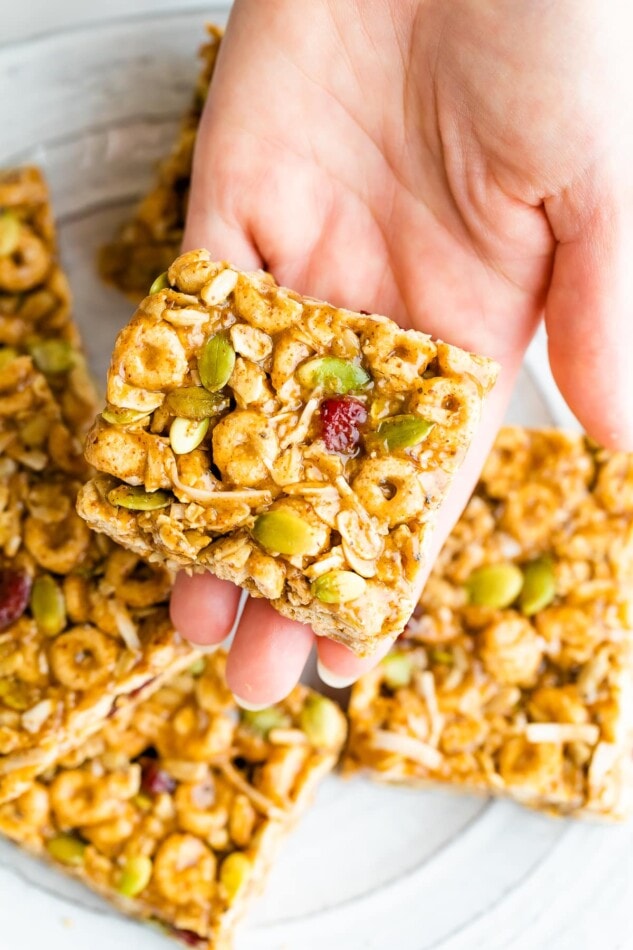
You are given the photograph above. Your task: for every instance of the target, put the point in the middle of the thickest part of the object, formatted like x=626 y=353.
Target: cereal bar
x=174 y=811
x=84 y=625
x=515 y=678
x=35 y=300
x=147 y=244
x=292 y=447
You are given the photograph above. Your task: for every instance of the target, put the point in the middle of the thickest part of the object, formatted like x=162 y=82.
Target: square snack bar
x=175 y=810
x=35 y=299
x=84 y=625
x=148 y=243
x=515 y=678
x=292 y=447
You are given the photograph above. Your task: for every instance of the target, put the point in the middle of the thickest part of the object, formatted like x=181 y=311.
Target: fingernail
x=208 y=648
x=333 y=679
x=249 y=707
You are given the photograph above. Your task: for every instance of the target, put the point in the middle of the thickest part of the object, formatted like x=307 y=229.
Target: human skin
x=462 y=167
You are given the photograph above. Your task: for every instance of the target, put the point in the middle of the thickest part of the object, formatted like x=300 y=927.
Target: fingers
x=203 y=607
x=216 y=183
x=339 y=667
x=267 y=655
x=588 y=314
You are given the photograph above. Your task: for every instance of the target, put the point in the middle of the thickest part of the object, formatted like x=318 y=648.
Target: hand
x=462 y=167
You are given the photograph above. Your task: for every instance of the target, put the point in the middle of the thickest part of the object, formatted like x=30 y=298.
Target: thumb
x=588 y=309
x=213 y=221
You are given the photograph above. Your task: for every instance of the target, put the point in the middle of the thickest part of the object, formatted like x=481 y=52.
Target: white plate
x=369 y=867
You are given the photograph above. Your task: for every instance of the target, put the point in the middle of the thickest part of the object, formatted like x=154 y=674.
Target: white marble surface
x=19 y=21
x=369 y=868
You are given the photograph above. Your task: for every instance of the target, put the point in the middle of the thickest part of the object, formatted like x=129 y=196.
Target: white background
x=20 y=19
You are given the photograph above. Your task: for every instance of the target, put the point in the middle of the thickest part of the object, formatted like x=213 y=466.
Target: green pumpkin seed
x=48 y=606
x=124 y=417
x=397 y=670
x=235 y=872
x=137 y=499
x=135 y=875
x=495 y=585
x=161 y=283
x=15 y=695
x=332 y=374
x=402 y=432
x=67 y=849
x=539 y=586
x=10 y=228
x=338 y=587
x=262 y=721
x=320 y=719
x=197 y=668
x=193 y=402
x=52 y=356
x=216 y=362
x=7 y=355
x=185 y=435
x=283 y=532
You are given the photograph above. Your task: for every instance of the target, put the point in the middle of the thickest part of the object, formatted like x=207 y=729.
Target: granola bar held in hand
x=84 y=625
x=35 y=299
x=147 y=244
x=516 y=676
x=292 y=447
x=175 y=811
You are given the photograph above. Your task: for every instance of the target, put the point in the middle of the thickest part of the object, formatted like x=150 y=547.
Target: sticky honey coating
x=515 y=675
x=174 y=811
x=147 y=244
x=35 y=299
x=250 y=425
x=84 y=625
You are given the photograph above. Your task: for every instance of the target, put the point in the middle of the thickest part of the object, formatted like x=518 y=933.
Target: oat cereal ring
x=83 y=657
x=196 y=809
x=390 y=489
x=27 y=266
x=154 y=359
x=184 y=870
x=244 y=448
x=197 y=736
x=80 y=797
x=134 y=581
x=267 y=307
x=24 y=814
x=398 y=356
x=58 y=547
x=22 y=186
x=109 y=836
x=446 y=401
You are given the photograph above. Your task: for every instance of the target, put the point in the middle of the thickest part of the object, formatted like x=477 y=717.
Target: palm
x=367 y=153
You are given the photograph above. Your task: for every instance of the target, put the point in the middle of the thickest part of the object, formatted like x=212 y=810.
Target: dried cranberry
x=154 y=780
x=15 y=590
x=341 y=418
x=188 y=937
